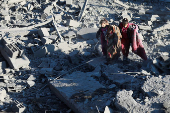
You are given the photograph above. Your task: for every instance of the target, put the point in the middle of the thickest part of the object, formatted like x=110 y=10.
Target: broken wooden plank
x=82 y=11
x=55 y=25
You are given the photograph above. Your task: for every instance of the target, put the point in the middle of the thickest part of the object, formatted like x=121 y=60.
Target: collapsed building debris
x=50 y=46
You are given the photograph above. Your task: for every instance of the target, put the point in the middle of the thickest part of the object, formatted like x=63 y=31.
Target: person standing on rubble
x=130 y=36
x=102 y=33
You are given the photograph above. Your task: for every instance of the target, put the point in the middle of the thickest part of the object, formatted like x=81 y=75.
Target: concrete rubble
x=50 y=60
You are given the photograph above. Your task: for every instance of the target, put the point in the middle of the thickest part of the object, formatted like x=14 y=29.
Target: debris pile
x=51 y=61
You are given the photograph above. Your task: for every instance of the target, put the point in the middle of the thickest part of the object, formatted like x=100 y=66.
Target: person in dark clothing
x=102 y=33
x=130 y=35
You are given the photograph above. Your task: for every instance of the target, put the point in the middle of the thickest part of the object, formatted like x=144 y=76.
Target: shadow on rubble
x=28 y=91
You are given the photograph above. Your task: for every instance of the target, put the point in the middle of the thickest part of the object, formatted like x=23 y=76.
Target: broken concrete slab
x=87 y=33
x=72 y=86
x=68 y=2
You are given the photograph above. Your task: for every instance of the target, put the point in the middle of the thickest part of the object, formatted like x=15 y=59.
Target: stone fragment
x=68 y=2
x=46 y=40
x=166 y=104
x=145 y=27
x=39 y=51
x=72 y=23
x=58 y=16
x=31 y=77
x=7 y=18
x=24 y=61
x=155 y=18
x=2 y=94
x=108 y=110
x=31 y=83
x=43 y=32
x=141 y=12
x=87 y=33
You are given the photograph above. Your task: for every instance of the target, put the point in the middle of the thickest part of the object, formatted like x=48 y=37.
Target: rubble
x=49 y=57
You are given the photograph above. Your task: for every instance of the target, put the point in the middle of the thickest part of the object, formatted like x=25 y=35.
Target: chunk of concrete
x=23 y=60
x=155 y=18
x=57 y=16
x=31 y=83
x=46 y=40
x=68 y=2
x=141 y=12
x=48 y=9
x=125 y=102
x=108 y=110
x=43 y=32
x=72 y=23
x=87 y=33
x=2 y=94
x=31 y=77
x=39 y=51
x=145 y=27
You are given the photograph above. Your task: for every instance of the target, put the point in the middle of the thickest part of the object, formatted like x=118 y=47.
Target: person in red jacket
x=130 y=35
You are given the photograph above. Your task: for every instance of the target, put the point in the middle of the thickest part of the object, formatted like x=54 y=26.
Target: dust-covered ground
x=46 y=43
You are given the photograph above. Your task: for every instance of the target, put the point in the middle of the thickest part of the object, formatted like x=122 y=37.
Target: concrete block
x=39 y=51
x=18 y=107
x=68 y=2
x=2 y=94
x=13 y=50
x=23 y=61
x=72 y=23
x=87 y=33
x=46 y=40
x=43 y=32
x=14 y=88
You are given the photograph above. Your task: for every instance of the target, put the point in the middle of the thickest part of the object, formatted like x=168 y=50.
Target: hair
x=104 y=21
x=125 y=21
